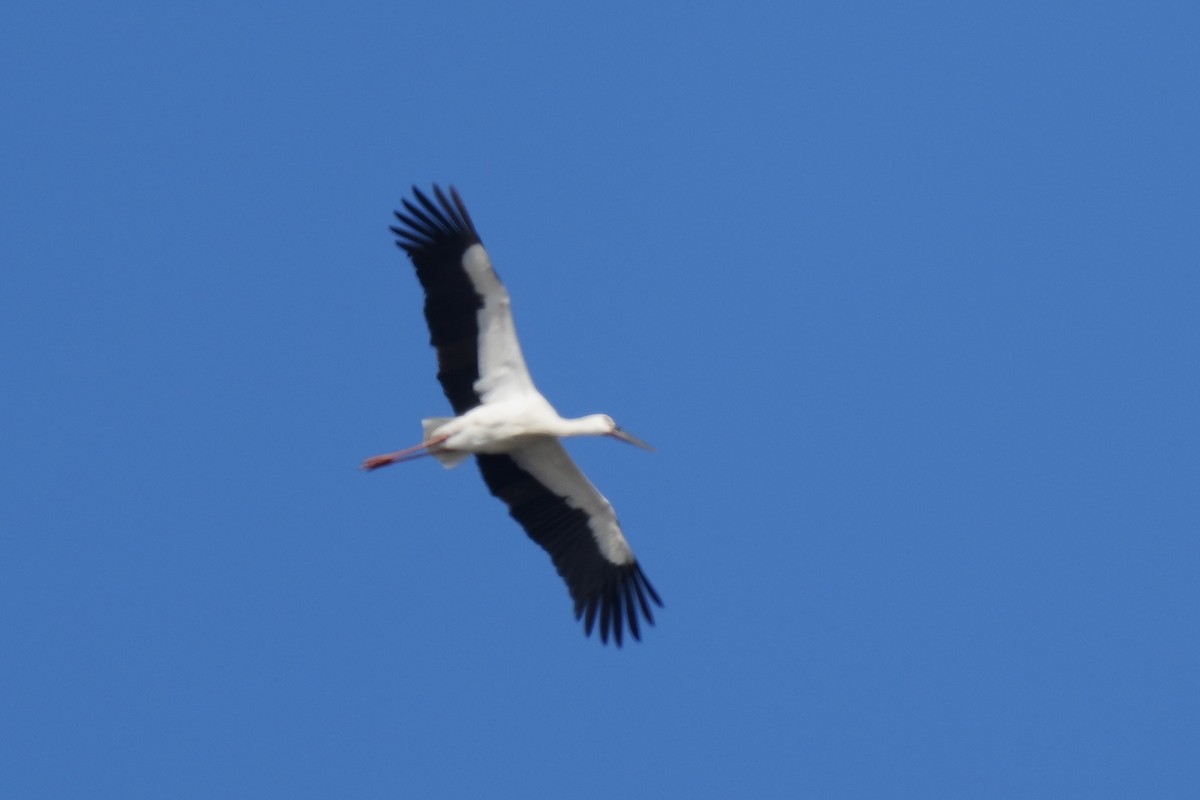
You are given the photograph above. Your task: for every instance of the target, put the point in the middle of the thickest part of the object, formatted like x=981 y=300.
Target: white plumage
x=508 y=426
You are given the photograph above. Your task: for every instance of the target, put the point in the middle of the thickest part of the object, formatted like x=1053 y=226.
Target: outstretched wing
x=466 y=306
x=564 y=513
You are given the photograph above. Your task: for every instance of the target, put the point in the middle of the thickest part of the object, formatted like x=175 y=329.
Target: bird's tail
x=448 y=458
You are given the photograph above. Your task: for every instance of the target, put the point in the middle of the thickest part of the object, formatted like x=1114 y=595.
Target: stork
x=508 y=426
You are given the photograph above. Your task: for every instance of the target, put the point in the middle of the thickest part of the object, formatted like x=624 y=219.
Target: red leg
x=407 y=454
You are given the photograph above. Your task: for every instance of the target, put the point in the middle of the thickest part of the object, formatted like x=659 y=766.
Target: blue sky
x=906 y=295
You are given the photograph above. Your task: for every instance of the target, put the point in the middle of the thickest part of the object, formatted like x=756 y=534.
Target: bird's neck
x=592 y=425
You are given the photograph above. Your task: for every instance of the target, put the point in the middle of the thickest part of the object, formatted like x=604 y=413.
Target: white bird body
x=505 y=426
x=508 y=426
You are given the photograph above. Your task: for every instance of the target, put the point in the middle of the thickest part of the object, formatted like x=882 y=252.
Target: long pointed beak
x=626 y=436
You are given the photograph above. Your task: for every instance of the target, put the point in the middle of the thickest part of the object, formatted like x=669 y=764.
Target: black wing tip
x=427 y=224
x=616 y=603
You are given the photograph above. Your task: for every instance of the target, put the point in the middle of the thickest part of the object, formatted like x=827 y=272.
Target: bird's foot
x=375 y=462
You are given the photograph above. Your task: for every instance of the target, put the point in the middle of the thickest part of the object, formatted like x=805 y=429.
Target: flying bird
x=508 y=426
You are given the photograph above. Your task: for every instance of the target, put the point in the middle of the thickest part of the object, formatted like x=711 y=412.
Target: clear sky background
x=907 y=296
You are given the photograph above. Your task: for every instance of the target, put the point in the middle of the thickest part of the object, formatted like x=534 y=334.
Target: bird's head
x=609 y=427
